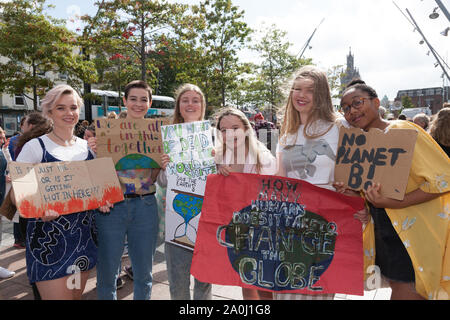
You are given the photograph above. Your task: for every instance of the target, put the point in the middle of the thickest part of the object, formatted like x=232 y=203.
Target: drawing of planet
x=136 y=161
x=293 y=252
x=187 y=206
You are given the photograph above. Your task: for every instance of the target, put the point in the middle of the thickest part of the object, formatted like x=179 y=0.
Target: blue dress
x=61 y=247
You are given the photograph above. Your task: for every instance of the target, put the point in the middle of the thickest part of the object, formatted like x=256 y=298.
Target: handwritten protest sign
x=132 y=144
x=65 y=187
x=278 y=234
x=374 y=156
x=189 y=146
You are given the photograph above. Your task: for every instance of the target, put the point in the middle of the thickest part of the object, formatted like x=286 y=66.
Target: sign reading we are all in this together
x=132 y=144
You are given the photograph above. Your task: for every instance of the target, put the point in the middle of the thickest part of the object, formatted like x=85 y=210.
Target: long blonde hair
x=440 y=127
x=254 y=146
x=177 y=118
x=322 y=110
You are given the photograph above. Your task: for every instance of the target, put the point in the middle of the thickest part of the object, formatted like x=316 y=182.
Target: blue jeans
x=178 y=269
x=137 y=219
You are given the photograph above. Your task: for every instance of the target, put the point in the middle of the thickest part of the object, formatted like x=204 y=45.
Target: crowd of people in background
x=308 y=117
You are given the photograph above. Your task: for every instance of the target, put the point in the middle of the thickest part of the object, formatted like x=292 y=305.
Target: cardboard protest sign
x=65 y=187
x=189 y=146
x=375 y=156
x=278 y=234
x=132 y=144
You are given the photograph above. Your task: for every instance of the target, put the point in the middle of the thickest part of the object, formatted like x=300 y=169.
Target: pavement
x=18 y=288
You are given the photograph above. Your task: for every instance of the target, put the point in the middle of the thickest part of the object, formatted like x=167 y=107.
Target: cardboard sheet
x=131 y=144
x=65 y=187
x=371 y=157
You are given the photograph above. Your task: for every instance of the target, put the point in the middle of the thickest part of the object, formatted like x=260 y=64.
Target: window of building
x=19 y=100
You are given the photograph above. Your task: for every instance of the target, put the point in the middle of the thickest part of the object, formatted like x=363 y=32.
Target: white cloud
x=386 y=50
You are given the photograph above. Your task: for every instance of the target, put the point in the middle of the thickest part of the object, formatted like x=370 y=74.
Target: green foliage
x=223 y=34
x=407 y=102
x=276 y=67
x=164 y=43
x=35 y=45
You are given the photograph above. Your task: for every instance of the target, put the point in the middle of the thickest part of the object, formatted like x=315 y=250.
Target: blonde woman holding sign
x=190 y=106
x=60 y=250
x=411 y=236
x=239 y=150
x=308 y=141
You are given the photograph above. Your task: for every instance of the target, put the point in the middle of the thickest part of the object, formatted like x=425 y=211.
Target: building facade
x=350 y=72
x=432 y=98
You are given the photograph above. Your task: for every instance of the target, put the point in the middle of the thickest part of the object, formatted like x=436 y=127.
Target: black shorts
x=391 y=255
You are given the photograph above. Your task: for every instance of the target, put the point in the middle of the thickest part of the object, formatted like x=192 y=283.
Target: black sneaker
x=119 y=283
x=129 y=272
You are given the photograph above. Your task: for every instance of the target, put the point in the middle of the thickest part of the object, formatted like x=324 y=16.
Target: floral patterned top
x=423 y=228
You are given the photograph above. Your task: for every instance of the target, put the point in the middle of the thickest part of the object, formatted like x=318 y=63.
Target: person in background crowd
x=440 y=128
x=4 y=273
x=19 y=237
x=421 y=119
x=36 y=125
x=123 y=114
x=263 y=129
x=382 y=111
x=89 y=132
x=112 y=115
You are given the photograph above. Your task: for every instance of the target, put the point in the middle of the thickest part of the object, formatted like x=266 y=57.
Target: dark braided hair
x=361 y=85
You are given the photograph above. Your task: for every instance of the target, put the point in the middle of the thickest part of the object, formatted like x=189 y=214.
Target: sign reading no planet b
x=132 y=144
x=370 y=157
x=189 y=146
x=65 y=187
x=278 y=234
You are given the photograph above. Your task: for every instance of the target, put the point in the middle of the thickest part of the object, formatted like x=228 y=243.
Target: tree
x=224 y=33
x=385 y=101
x=407 y=102
x=277 y=64
x=334 y=75
x=139 y=28
x=34 y=45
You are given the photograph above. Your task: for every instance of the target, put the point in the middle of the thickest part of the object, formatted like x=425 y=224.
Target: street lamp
x=434 y=15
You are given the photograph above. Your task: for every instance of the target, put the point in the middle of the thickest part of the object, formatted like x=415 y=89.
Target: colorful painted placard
x=189 y=146
x=65 y=187
x=278 y=234
x=132 y=144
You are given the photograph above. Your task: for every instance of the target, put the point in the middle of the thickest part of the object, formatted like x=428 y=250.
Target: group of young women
x=413 y=257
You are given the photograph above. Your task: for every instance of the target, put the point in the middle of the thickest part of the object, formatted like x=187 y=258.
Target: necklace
x=65 y=142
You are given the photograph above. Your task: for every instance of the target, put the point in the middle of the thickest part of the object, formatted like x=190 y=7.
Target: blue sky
x=387 y=51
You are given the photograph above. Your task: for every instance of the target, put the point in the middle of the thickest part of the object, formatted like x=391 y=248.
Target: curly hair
x=440 y=126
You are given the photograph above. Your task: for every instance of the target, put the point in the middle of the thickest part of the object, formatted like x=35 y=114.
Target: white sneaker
x=5 y=273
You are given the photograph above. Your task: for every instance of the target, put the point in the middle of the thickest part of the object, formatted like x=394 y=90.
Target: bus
x=162 y=106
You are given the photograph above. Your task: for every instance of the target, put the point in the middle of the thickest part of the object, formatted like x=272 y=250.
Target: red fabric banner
x=278 y=234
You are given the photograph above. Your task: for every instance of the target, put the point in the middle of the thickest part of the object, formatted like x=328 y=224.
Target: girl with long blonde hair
x=308 y=140
x=238 y=150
